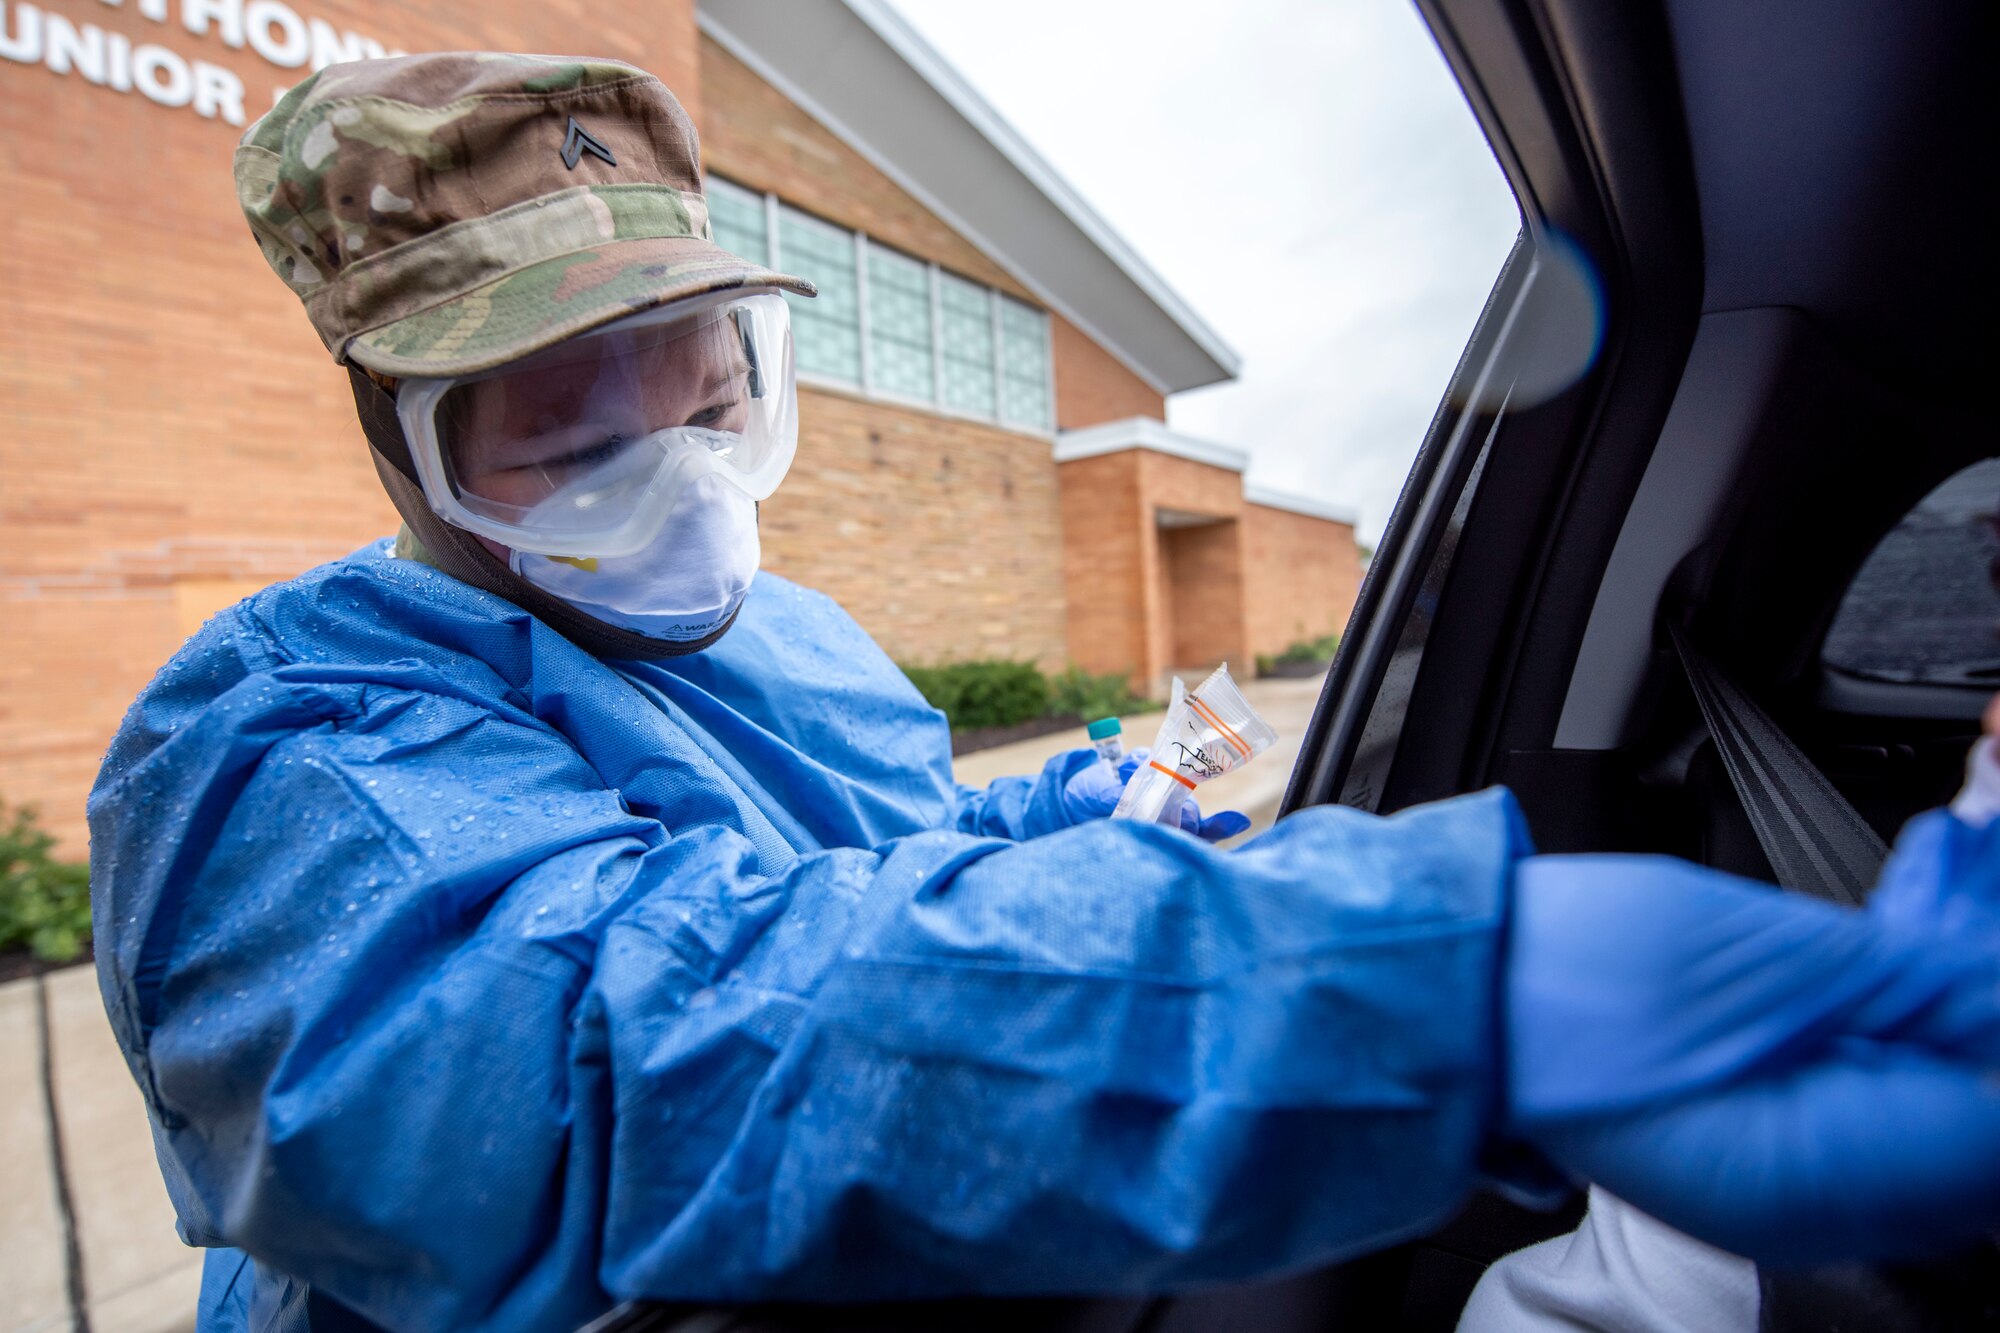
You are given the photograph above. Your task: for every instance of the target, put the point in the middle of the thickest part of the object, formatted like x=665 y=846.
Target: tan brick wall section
x=1093 y=386
x=942 y=537
x=1195 y=488
x=1209 y=622
x=1301 y=576
x=174 y=434
x=1140 y=596
x=1107 y=562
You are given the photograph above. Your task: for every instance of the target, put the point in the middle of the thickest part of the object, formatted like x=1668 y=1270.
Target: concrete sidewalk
x=86 y=1232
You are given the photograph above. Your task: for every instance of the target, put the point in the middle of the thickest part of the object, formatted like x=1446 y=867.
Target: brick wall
x=1093 y=386
x=1199 y=574
x=175 y=435
x=942 y=537
x=1108 y=567
x=1145 y=599
x=1192 y=487
x=1207 y=622
x=1301 y=576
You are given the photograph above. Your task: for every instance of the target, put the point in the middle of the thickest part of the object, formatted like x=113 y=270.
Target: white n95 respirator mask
x=684 y=587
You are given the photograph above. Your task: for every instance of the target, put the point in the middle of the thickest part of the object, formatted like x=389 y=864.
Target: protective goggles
x=584 y=448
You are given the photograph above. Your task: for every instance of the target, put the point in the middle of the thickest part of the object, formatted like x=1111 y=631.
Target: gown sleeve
x=427 y=1018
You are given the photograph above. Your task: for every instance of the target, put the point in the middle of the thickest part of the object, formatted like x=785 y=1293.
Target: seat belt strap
x=1816 y=841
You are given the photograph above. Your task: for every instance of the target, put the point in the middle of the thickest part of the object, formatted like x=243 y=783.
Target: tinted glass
x=1923 y=608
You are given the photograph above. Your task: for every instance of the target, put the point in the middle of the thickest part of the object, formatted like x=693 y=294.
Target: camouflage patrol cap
x=445 y=214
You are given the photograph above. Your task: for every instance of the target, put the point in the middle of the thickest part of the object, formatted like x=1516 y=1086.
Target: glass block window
x=966 y=321
x=826 y=330
x=899 y=325
x=1024 y=364
x=737 y=217
x=926 y=336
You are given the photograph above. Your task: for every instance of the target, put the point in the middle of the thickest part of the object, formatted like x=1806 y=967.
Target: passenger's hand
x=1792 y=1081
x=1094 y=792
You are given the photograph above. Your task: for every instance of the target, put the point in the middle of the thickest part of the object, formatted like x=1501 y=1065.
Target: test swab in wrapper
x=1208 y=732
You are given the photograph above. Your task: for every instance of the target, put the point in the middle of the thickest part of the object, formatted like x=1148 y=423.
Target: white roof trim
x=1298 y=504
x=859 y=69
x=1145 y=433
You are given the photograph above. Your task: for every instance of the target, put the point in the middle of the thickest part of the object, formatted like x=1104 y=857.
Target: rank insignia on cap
x=577 y=142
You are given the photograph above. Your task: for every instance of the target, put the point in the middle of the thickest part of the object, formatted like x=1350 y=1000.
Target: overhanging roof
x=864 y=73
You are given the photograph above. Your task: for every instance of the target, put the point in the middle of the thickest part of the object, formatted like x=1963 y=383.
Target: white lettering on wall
x=30 y=35
x=162 y=75
x=68 y=49
x=217 y=92
x=155 y=10
x=22 y=39
x=277 y=33
x=196 y=15
x=119 y=75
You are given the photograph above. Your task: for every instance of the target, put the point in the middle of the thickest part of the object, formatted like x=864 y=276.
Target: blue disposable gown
x=473 y=982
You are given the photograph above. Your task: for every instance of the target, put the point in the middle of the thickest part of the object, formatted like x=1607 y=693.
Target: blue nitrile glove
x=1094 y=792
x=1944 y=876
x=1792 y=1081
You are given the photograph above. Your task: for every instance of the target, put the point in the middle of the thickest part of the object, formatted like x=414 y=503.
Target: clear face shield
x=584 y=449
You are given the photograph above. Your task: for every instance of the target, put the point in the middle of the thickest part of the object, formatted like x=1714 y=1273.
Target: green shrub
x=44 y=903
x=1321 y=649
x=991 y=693
x=1076 y=691
x=997 y=693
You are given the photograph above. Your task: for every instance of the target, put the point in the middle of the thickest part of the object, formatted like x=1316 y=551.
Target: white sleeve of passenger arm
x=1619 y=1272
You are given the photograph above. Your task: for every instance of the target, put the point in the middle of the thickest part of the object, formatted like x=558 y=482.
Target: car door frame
x=1460 y=648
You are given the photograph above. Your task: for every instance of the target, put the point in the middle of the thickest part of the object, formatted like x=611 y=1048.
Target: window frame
x=1473 y=616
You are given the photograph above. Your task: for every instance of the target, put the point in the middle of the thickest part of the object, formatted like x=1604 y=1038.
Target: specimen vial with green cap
x=1108 y=739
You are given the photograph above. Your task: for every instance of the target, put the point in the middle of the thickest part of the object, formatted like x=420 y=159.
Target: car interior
x=1766 y=482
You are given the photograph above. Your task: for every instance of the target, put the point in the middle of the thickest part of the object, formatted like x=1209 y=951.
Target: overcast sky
x=1303 y=172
